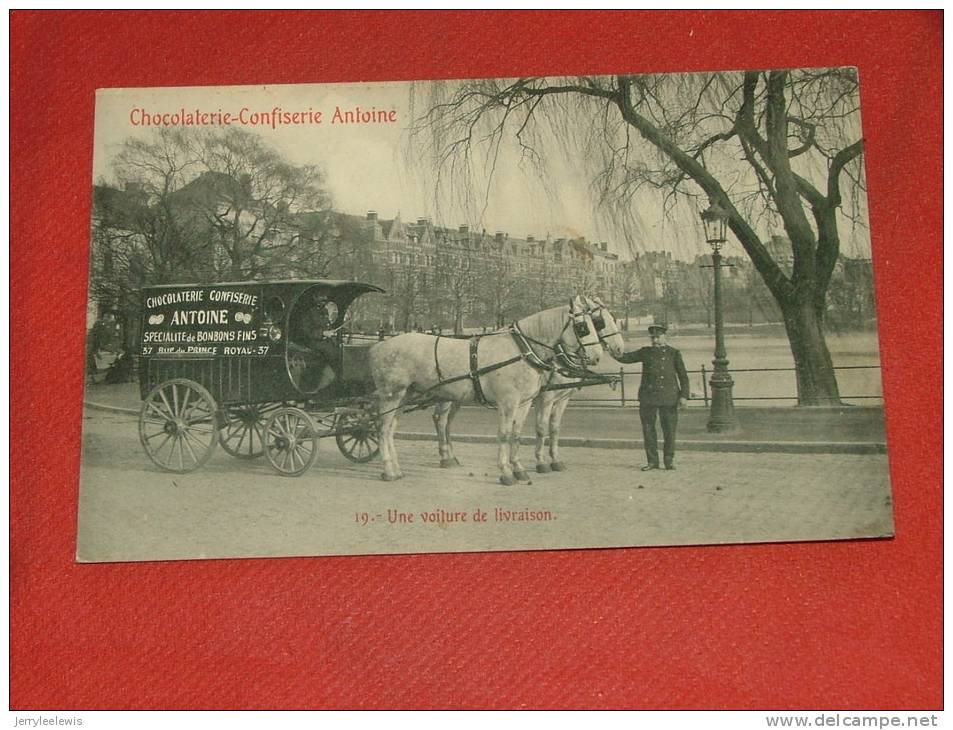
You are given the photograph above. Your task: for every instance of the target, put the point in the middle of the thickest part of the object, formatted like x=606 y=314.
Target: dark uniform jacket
x=664 y=378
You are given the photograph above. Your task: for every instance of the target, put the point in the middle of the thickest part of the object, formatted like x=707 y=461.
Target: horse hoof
x=521 y=476
x=390 y=477
x=448 y=463
x=506 y=480
x=558 y=466
x=543 y=468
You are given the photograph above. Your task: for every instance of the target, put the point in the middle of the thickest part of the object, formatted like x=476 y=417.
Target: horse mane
x=545 y=326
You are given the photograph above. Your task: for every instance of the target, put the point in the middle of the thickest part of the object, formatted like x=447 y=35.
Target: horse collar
x=530 y=355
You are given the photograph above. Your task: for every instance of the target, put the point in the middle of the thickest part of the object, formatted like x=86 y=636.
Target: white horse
x=551 y=404
x=505 y=369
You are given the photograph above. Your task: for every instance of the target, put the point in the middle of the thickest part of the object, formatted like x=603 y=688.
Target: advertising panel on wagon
x=491 y=314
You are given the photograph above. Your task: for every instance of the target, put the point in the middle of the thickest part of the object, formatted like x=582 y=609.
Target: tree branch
x=833 y=176
x=773 y=275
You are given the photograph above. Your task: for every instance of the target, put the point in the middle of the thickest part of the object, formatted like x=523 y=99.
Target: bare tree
x=498 y=290
x=226 y=205
x=455 y=276
x=142 y=215
x=771 y=148
x=629 y=290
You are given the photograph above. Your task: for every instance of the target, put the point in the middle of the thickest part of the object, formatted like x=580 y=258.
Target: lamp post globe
x=721 y=418
x=715 y=221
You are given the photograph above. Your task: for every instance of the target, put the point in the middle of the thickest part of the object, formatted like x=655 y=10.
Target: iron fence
x=625 y=394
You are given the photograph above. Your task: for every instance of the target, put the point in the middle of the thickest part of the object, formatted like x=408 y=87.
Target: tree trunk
x=816 y=380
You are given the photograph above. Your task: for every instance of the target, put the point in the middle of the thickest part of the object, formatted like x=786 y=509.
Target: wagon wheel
x=177 y=425
x=243 y=434
x=358 y=435
x=291 y=441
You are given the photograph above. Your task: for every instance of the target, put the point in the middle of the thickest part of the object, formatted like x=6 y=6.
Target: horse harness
x=565 y=365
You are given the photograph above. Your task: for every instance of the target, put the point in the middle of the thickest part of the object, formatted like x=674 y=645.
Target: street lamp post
x=721 y=418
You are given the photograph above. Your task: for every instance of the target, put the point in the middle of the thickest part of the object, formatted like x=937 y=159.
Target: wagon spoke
x=166 y=402
x=171 y=455
x=190 y=415
x=175 y=400
x=165 y=414
x=198 y=442
x=185 y=442
x=168 y=456
x=185 y=401
x=192 y=427
x=198 y=415
x=159 y=447
x=242 y=440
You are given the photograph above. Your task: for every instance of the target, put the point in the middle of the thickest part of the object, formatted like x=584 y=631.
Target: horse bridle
x=577 y=360
x=562 y=358
x=599 y=321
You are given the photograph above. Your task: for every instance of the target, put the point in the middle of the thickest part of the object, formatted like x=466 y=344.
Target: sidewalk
x=850 y=429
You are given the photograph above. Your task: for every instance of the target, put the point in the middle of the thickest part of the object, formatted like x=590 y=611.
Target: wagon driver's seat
x=312 y=349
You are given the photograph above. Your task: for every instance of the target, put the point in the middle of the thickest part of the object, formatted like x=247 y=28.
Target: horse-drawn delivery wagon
x=260 y=367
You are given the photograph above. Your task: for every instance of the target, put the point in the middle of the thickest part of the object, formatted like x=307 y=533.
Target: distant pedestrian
x=663 y=391
x=103 y=345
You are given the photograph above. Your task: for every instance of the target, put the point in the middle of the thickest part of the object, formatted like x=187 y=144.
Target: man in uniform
x=663 y=390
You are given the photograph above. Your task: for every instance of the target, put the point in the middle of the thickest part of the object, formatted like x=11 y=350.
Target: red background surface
x=836 y=625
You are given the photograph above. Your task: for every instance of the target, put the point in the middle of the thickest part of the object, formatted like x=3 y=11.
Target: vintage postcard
x=498 y=314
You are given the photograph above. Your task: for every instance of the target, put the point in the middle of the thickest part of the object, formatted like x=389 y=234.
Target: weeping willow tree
x=775 y=149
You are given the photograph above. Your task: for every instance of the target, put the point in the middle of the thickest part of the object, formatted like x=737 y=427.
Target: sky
x=367 y=168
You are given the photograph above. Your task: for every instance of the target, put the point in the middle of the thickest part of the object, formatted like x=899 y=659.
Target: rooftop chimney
x=604 y=246
x=464 y=228
x=372 y=215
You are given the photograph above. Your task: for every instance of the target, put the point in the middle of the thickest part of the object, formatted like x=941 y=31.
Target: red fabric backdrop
x=839 y=625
